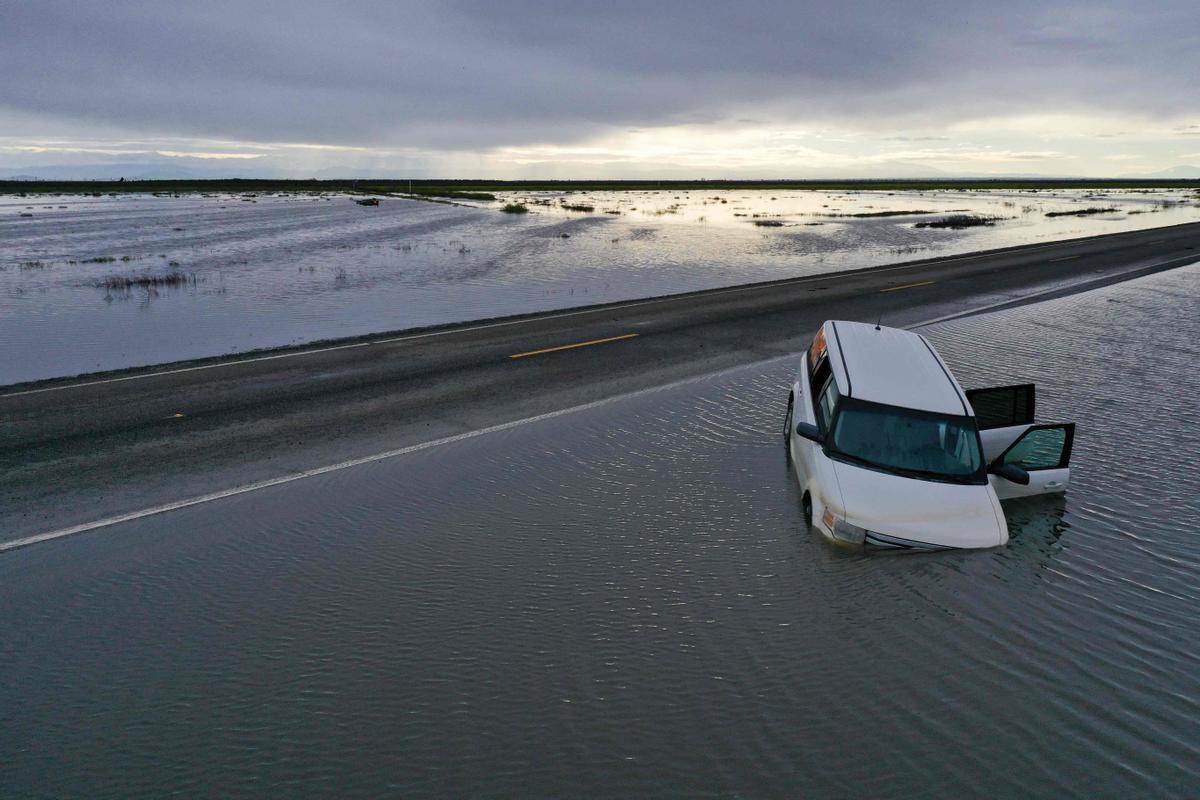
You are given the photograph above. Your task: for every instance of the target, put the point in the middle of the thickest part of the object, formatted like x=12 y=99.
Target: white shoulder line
x=1072 y=289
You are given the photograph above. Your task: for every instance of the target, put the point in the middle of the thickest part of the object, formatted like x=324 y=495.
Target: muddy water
x=265 y=271
x=626 y=602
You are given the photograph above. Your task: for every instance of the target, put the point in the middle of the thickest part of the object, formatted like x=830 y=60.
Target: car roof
x=894 y=367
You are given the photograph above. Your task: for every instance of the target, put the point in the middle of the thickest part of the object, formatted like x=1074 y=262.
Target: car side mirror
x=1011 y=472
x=809 y=431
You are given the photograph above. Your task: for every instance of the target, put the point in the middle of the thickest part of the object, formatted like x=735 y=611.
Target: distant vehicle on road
x=890 y=452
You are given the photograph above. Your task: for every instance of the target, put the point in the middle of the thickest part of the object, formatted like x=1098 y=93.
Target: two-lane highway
x=91 y=448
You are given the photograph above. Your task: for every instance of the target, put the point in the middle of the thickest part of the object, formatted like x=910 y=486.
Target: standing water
x=626 y=602
x=98 y=283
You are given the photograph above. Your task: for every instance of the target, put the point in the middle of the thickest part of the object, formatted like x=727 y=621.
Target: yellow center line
x=906 y=286
x=1064 y=258
x=572 y=346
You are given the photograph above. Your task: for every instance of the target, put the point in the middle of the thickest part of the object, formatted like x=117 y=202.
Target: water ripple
x=626 y=602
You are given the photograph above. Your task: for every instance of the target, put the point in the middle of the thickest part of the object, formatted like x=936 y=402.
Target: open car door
x=1010 y=436
x=1044 y=451
x=1003 y=413
x=1002 y=406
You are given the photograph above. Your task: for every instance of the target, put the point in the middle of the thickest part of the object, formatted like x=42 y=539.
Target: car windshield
x=909 y=442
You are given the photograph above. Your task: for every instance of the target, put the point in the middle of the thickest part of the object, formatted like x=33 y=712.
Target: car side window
x=1038 y=449
x=826 y=404
x=816 y=381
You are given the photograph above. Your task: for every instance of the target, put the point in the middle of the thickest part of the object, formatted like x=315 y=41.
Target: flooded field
x=626 y=602
x=93 y=283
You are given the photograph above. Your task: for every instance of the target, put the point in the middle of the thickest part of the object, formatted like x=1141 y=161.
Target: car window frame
x=822 y=368
x=979 y=477
x=1064 y=460
x=827 y=427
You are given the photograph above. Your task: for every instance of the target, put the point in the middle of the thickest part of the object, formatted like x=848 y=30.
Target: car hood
x=920 y=512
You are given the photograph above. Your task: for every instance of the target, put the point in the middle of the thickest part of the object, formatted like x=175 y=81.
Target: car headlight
x=841 y=530
x=850 y=534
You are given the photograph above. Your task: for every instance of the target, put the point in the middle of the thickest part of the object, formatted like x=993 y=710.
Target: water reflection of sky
x=277 y=270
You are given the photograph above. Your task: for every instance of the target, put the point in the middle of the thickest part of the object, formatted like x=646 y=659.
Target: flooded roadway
x=96 y=283
x=625 y=601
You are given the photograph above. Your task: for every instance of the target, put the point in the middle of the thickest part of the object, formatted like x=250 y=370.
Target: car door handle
x=1052 y=484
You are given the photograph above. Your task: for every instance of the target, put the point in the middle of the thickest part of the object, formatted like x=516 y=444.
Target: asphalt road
x=90 y=448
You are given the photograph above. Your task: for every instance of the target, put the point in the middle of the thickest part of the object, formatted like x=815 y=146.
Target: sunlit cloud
x=34 y=148
x=202 y=154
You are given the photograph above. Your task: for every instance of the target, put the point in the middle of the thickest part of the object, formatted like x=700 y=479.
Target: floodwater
x=625 y=602
x=96 y=283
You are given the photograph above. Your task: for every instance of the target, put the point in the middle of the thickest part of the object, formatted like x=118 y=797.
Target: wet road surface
x=72 y=452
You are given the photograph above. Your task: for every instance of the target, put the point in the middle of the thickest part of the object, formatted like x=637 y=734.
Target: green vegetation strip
x=485 y=189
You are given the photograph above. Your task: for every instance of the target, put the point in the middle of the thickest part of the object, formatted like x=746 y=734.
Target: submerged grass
x=867 y=214
x=1083 y=212
x=515 y=208
x=956 y=221
x=452 y=194
x=173 y=280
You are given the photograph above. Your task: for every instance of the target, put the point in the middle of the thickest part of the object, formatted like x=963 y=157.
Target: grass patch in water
x=515 y=208
x=453 y=195
x=173 y=280
x=957 y=221
x=1083 y=212
x=867 y=214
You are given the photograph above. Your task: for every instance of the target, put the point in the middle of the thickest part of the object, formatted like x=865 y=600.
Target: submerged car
x=890 y=452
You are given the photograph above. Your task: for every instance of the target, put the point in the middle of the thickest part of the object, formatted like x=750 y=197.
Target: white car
x=890 y=452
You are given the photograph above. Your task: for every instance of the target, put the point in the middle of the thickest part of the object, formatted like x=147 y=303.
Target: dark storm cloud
x=475 y=75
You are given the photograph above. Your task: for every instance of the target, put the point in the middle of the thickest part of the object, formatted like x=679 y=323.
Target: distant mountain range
x=1180 y=172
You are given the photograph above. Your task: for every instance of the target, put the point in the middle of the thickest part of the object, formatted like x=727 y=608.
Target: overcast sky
x=603 y=89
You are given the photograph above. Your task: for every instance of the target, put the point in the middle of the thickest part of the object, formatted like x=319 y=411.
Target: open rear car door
x=1010 y=436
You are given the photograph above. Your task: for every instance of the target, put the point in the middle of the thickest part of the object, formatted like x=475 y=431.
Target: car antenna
x=878 y=320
